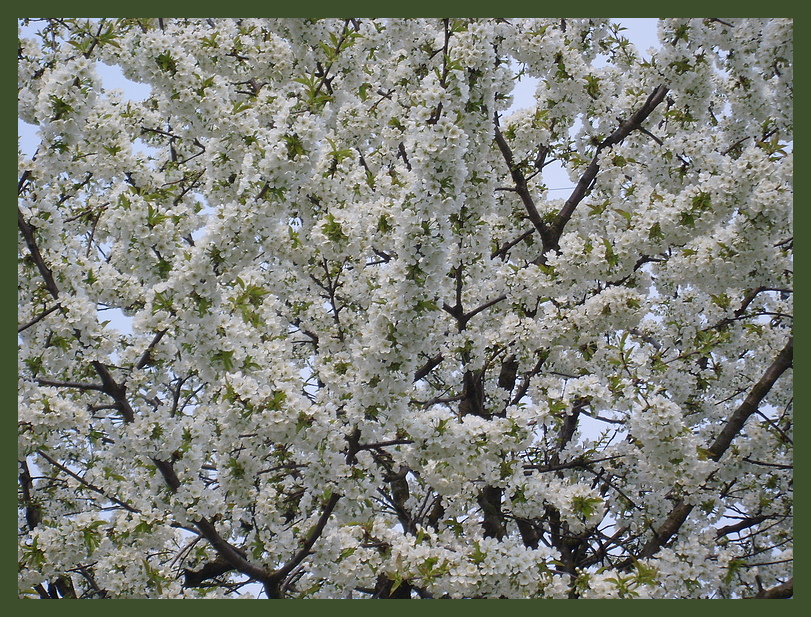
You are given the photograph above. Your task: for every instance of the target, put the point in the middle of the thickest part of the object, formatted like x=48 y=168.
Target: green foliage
x=585 y=506
x=166 y=63
x=333 y=230
x=59 y=108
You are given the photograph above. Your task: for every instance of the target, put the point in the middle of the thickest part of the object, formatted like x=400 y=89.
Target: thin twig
x=87 y=484
x=38 y=318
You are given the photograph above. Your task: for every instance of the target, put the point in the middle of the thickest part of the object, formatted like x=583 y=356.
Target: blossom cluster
x=360 y=350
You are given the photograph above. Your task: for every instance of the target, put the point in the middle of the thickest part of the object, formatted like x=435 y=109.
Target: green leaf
x=33 y=555
x=610 y=256
x=624 y=214
x=202 y=304
x=586 y=506
x=383 y=224
x=59 y=108
x=166 y=63
x=598 y=209
x=92 y=536
x=425 y=305
x=304 y=421
x=226 y=358
x=702 y=203
x=477 y=556
x=235 y=468
x=396 y=582
x=240 y=106
x=721 y=300
x=733 y=567
x=588 y=350
x=332 y=229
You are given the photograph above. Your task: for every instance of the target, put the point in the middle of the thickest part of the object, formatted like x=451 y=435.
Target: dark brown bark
x=386 y=590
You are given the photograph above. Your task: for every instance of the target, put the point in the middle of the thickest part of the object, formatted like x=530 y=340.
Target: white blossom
x=312 y=320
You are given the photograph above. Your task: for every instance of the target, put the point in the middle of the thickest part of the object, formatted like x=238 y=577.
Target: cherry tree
x=312 y=320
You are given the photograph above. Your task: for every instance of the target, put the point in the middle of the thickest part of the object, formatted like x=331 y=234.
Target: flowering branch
x=678 y=515
x=584 y=184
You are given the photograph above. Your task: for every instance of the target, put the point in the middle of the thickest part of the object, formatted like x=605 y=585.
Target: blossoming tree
x=367 y=352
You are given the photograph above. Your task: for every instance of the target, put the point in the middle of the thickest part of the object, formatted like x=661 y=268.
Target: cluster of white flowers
x=365 y=353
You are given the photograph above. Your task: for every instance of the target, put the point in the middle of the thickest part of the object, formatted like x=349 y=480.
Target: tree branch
x=428 y=367
x=28 y=234
x=38 y=318
x=146 y=356
x=740 y=526
x=502 y=251
x=780 y=592
x=85 y=483
x=315 y=533
x=583 y=185
x=227 y=551
x=522 y=189
x=750 y=404
x=682 y=509
x=118 y=392
x=470 y=314
x=33 y=511
x=70 y=384
x=577 y=463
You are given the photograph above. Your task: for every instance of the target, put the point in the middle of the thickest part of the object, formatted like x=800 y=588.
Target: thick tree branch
x=471 y=314
x=279 y=575
x=489 y=499
x=23 y=181
x=33 y=511
x=740 y=526
x=225 y=550
x=523 y=190
x=678 y=515
x=230 y=553
x=28 y=235
x=780 y=592
x=70 y=384
x=109 y=385
x=750 y=404
x=146 y=356
x=428 y=367
x=235 y=557
x=585 y=182
x=211 y=569
x=118 y=392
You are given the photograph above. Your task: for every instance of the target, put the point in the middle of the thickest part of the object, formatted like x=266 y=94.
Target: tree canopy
x=360 y=346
